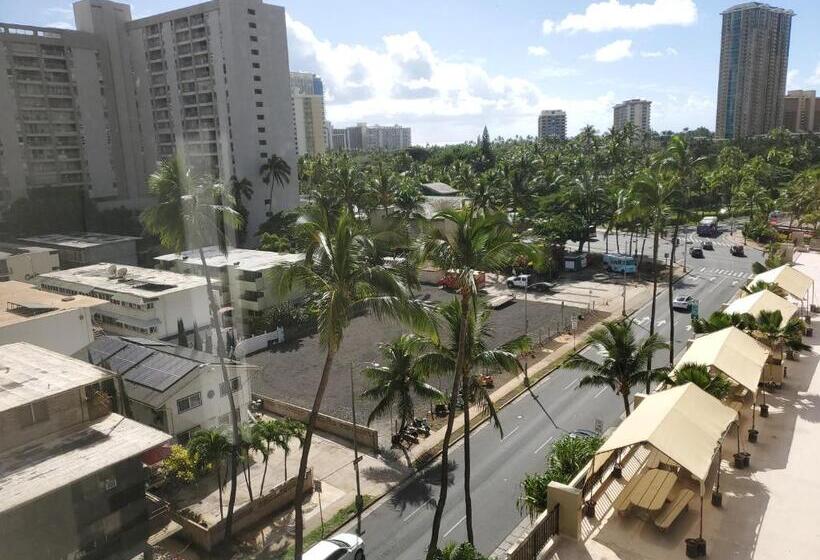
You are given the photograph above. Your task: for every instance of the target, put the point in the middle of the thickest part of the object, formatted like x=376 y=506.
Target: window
x=184 y=437
x=252 y=25
x=260 y=117
x=251 y=12
x=257 y=91
x=260 y=104
x=261 y=130
x=263 y=142
x=255 y=64
x=255 y=51
x=235 y=385
x=254 y=38
x=264 y=155
x=189 y=402
x=257 y=78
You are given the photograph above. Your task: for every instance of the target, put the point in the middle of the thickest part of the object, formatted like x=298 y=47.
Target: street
x=398 y=526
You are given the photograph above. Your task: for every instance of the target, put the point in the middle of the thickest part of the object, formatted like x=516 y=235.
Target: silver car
x=344 y=546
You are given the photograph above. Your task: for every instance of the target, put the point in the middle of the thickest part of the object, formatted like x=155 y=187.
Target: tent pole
x=720 y=459
x=701 y=516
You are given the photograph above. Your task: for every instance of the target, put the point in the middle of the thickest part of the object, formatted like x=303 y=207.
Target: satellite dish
x=112 y=270
x=121 y=272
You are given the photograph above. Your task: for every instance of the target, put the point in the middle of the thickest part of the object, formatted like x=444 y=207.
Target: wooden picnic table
x=653 y=489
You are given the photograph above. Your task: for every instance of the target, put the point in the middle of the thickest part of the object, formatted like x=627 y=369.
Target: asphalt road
x=398 y=526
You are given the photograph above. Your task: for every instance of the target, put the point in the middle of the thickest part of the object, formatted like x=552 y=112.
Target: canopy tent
x=792 y=281
x=684 y=423
x=738 y=355
x=764 y=300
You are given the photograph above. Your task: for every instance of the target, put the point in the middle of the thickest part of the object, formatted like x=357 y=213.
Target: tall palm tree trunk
x=468 y=499
x=299 y=492
x=220 y=352
x=671 y=296
x=654 y=301
x=264 y=473
x=219 y=486
x=448 y=432
x=625 y=396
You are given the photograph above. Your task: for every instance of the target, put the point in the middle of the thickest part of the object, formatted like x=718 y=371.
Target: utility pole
x=356 y=459
x=526 y=317
x=623 y=310
x=685 y=250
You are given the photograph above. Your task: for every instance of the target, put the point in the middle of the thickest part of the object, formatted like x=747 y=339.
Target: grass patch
x=331 y=526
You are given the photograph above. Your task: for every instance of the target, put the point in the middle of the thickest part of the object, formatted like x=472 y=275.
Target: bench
x=673 y=509
x=624 y=500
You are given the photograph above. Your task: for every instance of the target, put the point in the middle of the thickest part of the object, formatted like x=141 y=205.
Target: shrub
x=179 y=466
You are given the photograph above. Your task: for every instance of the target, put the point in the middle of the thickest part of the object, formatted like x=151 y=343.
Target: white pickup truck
x=525 y=280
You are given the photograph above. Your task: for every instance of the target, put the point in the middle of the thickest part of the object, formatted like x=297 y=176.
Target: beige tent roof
x=684 y=423
x=793 y=281
x=763 y=300
x=732 y=351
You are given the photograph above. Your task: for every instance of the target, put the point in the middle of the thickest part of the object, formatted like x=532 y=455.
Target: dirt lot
x=292 y=372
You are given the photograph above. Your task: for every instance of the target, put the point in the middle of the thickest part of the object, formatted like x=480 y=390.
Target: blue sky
x=449 y=68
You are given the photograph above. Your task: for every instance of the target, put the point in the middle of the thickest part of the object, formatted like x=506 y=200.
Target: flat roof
x=17 y=249
x=32 y=470
x=78 y=240
x=29 y=373
x=249 y=260
x=438 y=188
x=141 y=282
x=21 y=302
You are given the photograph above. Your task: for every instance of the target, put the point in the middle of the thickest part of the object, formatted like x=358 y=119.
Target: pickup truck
x=526 y=281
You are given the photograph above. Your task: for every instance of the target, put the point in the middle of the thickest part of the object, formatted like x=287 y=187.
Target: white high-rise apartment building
x=636 y=111
x=100 y=106
x=754 y=59
x=371 y=138
x=308 y=112
x=552 y=124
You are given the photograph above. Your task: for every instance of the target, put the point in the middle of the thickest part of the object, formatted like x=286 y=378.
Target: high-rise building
x=308 y=112
x=98 y=107
x=635 y=111
x=754 y=58
x=371 y=138
x=552 y=124
x=801 y=111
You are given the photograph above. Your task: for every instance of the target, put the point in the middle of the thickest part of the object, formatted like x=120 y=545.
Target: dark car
x=708 y=245
x=696 y=252
x=737 y=250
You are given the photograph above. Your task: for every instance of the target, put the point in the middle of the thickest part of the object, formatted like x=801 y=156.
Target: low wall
x=260 y=342
x=278 y=498
x=366 y=437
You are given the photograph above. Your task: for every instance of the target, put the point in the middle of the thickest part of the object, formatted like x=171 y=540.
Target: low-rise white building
x=59 y=323
x=139 y=301
x=25 y=263
x=84 y=248
x=172 y=388
x=244 y=275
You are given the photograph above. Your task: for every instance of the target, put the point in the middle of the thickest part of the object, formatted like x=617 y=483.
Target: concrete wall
x=365 y=436
x=24 y=267
x=67 y=332
x=278 y=498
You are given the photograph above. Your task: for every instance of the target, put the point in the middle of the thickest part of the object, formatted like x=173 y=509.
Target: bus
x=708 y=227
x=620 y=263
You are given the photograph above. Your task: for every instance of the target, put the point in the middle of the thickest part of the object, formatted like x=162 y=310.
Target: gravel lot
x=292 y=372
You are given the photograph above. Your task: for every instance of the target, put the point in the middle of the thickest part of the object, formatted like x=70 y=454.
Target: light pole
x=356 y=459
x=526 y=316
x=685 y=250
x=623 y=309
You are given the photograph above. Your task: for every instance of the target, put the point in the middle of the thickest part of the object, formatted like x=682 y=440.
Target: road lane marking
x=688 y=328
x=574 y=381
x=418 y=509
x=453 y=528
x=543 y=445
x=660 y=323
x=511 y=432
x=599 y=393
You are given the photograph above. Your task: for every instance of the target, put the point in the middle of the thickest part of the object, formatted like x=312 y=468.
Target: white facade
x=635 y=111
x=139 y=301
x=44 y=319
x=364 y=137
x=24 y=264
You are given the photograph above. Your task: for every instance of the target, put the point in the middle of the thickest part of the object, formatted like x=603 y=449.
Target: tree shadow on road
x=420 y=489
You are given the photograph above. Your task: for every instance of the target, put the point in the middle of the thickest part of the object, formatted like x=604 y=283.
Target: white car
x=684 y=303
x=344 y=546
x=525 y=280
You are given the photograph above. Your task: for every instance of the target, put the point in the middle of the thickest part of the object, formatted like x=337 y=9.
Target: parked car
x=526 y=281
x=737 y=250
x=708 y=245
x=683 y=303
x=344 y=546
x=583 y=433
x=696 y=252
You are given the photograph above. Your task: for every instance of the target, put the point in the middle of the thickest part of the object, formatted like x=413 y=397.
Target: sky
x=447 y=69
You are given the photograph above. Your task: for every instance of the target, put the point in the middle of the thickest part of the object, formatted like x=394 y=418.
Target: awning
x=763 y=300
x=792 y=281
x=732 y=351
x=684 y=423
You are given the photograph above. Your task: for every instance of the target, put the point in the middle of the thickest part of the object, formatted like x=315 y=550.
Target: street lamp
x=356 y=458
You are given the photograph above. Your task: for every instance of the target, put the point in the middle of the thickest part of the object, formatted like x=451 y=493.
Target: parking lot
x=292 y=372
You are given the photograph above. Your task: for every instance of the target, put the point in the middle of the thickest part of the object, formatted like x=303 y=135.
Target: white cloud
x=60 y=25
x=547 y=26
x=791 y=79
x=444 y=99
x=555 y=72
x=537 y=51
x=668 y=51
x=616 y=50
x=814 y=79
x=611 y=15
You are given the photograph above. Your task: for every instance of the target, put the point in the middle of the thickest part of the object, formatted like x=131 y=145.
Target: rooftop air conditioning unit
x=121 y=272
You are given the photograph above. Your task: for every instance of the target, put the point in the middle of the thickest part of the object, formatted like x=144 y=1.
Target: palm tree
x=770 y=329
x=241 y=190
x=655 y=191
x=382 y=186
x=249 y=442
x=193 y=213
x=441 y=357
x=716 y=385
x=342 y=281
x=463 y=551
x=719 y=320
x=761 y=285
x=210 y=449
x=468 y=241
x=395 y=383
x=624 y=362
x=274 y=171
x=291 y=429
x=269 y=434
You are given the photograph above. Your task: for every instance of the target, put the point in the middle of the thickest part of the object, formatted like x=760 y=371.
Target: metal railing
x=538 y=537
x=601 y=469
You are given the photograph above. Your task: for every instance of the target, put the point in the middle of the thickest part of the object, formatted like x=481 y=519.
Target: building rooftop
x=29 y=373
x=78 y=240
x=17 y=249
x=431 y=205
x=35 y=469
x=438 y=189
x=241 y=259
x=756 y=5
x=134 y=280
x=20 y=302
x=149 y=368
